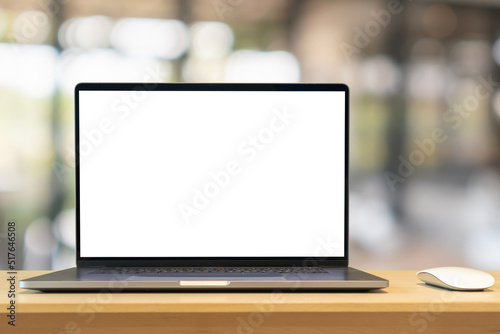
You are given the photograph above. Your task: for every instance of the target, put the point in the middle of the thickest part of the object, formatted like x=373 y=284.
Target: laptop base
x=78 y=279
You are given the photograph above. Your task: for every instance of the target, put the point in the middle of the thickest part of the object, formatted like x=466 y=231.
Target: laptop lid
x=211 y=174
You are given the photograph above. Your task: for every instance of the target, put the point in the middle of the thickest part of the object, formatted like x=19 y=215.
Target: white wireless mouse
x=457 y=278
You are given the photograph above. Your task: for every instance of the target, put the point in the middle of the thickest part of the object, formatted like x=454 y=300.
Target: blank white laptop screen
x=211 y=173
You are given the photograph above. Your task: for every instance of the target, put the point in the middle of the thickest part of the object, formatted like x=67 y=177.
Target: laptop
x=211 y=187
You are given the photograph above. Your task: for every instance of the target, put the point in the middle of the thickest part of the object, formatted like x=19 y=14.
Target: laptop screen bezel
x=213 y=261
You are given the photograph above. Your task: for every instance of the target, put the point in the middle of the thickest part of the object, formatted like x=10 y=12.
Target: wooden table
x=407 y=306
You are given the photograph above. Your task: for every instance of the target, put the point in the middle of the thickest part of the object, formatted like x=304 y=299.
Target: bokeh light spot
x=439 y=21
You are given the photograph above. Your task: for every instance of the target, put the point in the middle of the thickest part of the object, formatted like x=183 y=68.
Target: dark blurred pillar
x=184 y=14
x=294 y=11
x=396 y=39
x=57 y=182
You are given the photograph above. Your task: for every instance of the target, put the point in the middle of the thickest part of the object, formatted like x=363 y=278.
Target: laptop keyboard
x=209 y=270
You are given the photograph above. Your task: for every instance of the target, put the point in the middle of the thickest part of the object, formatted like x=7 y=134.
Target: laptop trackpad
x=207 y=277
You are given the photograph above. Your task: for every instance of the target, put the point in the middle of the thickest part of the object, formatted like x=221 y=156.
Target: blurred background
x=425 y=132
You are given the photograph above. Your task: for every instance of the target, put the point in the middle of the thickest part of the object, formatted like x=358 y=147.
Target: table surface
x=406 y=293
x=406 y=306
